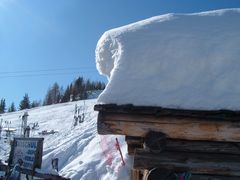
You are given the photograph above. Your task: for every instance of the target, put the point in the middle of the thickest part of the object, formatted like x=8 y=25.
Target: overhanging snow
x=188 y=61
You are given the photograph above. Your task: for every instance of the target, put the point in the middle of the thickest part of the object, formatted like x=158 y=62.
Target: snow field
x=82 y=153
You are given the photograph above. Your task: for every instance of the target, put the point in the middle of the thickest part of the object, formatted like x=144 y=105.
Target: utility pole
x=1 y=128
x=27 y=132
x=24 y=123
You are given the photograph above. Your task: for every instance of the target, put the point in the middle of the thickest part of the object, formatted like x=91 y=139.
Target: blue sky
x=47 y=41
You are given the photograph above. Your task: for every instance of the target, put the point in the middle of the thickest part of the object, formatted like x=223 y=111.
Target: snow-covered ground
x=82 y=153
x=188 y=61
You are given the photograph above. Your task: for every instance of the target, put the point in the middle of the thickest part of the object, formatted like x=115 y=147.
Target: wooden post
x=133 y=143
x=1 y=127
x=135 y=174
x=24 y=123
x=27 y=132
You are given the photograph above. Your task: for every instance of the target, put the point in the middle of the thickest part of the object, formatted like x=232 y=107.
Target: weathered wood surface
x=136 y=174
x=170 y=112
x=202 y=146
x=199 y=163
x=188 y=146
x=174 y=127
x=131 y=148
x=213 y=177
x=134 y=140
x=134 y=143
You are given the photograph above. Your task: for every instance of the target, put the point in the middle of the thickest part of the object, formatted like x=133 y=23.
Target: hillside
x=82 y=153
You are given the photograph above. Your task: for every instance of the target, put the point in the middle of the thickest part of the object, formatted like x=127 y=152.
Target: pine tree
x=66 y=95
x=48 y=100
x=88 y=85
x=71 y=92
x=2 y=106
x=78 y=89
x=100 y=85
x=25 y=103
x=35 y=104
x=12 y=108
x=53 y=95
x=61 y=93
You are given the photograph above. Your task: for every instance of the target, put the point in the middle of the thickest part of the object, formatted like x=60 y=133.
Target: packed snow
x=82 y=153
x=188 y=61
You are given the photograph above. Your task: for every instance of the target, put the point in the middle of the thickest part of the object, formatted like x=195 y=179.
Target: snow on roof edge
x=112 y=43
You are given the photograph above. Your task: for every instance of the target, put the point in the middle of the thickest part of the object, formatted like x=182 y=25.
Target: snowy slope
x=188 y=61
x=82 y=153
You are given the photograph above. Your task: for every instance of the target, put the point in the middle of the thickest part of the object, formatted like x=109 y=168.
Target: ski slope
x=82 y=153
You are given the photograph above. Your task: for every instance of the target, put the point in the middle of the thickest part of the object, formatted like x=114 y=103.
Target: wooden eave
x=216 y=125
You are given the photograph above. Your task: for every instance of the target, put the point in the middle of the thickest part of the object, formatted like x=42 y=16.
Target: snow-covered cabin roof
x=187 y=61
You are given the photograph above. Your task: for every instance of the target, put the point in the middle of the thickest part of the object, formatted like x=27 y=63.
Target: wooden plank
x=226 y=115
x=132 y=147
x=102 y=127
x=213 y=177
x=175 y=128
x=135 y=174
x=196 y=163
x=134 y=140
x=133 y=143
x=202 y=146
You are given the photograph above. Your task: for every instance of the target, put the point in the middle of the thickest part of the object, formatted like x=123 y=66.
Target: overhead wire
x=45 y=72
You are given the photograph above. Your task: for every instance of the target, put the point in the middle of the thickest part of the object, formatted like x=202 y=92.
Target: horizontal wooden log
x=175 y=128
x=196 y=163
x=132 y=147
x=134 y=140
x=193 y=146
x=213 y=177
x=202 y=146
x=226 y=115
x=187 y=145
x=195 y=176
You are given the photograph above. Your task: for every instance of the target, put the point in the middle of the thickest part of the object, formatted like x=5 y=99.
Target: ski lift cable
x=46 y=70
x=39 y=75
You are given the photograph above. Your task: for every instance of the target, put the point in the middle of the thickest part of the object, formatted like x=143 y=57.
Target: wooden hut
x=203 y=143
